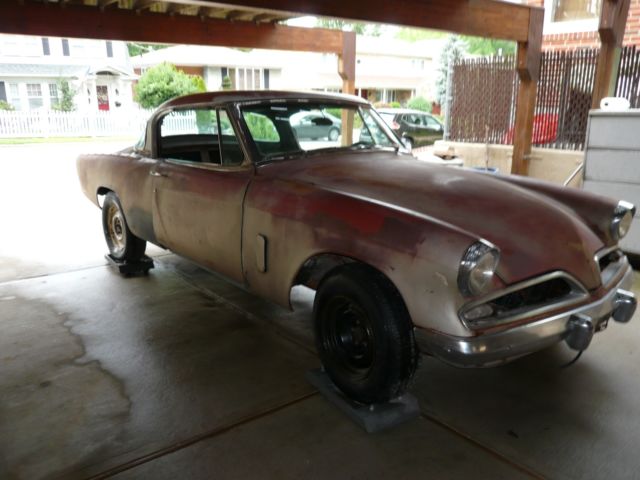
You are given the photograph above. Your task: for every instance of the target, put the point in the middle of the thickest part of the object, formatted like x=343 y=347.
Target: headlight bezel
x=622 y=220
x=480 y=254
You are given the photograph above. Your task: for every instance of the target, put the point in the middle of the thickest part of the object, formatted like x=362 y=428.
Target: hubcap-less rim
x=349 y=336
x=117 y=230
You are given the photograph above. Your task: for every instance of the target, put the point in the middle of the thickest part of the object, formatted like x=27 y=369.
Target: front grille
x=536 y=295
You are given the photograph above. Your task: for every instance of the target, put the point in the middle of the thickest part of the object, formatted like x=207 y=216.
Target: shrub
x=226 y=83
x=395 y=105
x=6 y=106
x=164 y=82
x=67 y=94
x=420 y=103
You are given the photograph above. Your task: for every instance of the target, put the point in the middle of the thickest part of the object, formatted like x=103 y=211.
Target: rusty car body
x=476 y=269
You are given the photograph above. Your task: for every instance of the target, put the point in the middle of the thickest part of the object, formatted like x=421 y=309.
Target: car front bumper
x=575 y=326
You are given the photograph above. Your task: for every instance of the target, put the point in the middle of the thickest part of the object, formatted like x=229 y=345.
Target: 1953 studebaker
x=475 y=269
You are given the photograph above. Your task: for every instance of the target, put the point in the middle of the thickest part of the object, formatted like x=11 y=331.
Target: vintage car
x=474 y=269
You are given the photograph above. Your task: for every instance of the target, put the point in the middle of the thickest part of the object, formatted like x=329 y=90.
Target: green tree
x=369 y=29
x=420 y=103
x=226 y=83
x=66 y=94
x=164 y=82
x=6 y=106
x=453 y=50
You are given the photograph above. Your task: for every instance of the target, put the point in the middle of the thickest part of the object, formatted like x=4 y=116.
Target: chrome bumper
x=575 y=326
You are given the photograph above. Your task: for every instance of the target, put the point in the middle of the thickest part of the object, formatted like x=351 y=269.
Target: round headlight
x=477 y=267
x=622 y=218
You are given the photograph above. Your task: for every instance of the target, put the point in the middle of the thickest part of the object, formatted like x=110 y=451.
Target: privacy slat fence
x=72 y=124
x=483 y=96
x=482 y=90
x=628 y=84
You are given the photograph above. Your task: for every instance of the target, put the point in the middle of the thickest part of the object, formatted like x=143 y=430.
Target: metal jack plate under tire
x=373 y=418
x=138 y=267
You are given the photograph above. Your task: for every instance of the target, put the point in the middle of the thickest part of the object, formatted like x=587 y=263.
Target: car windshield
x=290 y=129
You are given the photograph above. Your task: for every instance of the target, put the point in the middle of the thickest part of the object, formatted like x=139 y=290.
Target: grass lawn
x=20 y=141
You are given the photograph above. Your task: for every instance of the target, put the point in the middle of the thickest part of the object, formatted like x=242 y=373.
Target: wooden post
x=347 y=71
x=529 y=56
x=613 y=19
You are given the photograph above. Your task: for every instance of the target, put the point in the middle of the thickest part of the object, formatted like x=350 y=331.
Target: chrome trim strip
x=502 y=347
x=610 y=274
x=573 y=298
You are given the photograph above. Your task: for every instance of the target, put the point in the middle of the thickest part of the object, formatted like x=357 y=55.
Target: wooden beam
x=80 y=21
x=528 y=66
x=484 y=18
x=613 y=19
x=347 y=71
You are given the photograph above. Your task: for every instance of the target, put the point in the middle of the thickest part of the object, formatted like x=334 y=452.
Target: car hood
x=536 y=234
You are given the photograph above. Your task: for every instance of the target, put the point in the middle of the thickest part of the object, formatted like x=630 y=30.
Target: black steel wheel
x=364 y=335
x=122 y=244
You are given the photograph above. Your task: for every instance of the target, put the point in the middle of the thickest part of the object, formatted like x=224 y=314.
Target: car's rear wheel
x=334 y=133
x=364 y=335
x=122 y=244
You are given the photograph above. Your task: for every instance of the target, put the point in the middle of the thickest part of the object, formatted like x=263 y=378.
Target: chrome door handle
x=158 y=174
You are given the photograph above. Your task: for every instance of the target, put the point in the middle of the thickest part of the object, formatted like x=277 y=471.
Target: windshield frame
x=357 y=107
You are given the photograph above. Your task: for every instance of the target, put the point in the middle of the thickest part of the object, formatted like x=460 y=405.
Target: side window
x=190 y=135
x=231 y=153
x=201 y=121
x=200 y=135
x=431 y=122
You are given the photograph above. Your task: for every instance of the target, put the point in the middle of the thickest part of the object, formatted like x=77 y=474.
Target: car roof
x=240 y=96
x=400 y=111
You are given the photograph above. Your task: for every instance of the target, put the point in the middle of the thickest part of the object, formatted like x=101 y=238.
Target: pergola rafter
x=254 y=24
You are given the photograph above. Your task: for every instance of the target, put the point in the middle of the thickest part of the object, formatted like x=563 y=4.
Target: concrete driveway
x=183 y=375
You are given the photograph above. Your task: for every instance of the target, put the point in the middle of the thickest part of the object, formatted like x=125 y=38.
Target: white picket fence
x=73 y=124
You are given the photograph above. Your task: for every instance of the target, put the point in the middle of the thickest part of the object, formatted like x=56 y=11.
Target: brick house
x=571 y=24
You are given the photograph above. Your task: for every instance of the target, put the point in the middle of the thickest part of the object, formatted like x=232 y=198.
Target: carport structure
x=254 y=24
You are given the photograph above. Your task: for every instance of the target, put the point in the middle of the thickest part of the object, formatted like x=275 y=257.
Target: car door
x=433 y=128
x=306 y=128
x=199 y=185
x=412 y=128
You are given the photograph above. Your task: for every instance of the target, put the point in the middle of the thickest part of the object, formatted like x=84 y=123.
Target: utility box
x=612 y=162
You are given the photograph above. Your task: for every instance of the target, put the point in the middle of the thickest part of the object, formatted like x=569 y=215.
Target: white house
x=31 y=69
x=386 y=69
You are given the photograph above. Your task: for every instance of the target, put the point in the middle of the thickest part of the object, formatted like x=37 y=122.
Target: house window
x=14 y=96
x=34 y=96
x=53 y=94
x=571 y=10
x=248 y=78
x=109 y=49
x=266 y=79
x=45 y=46
x=65 y=47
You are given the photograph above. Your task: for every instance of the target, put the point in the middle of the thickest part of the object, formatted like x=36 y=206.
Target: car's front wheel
x=122 y=244
x=364 y=335
x=334 y=133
